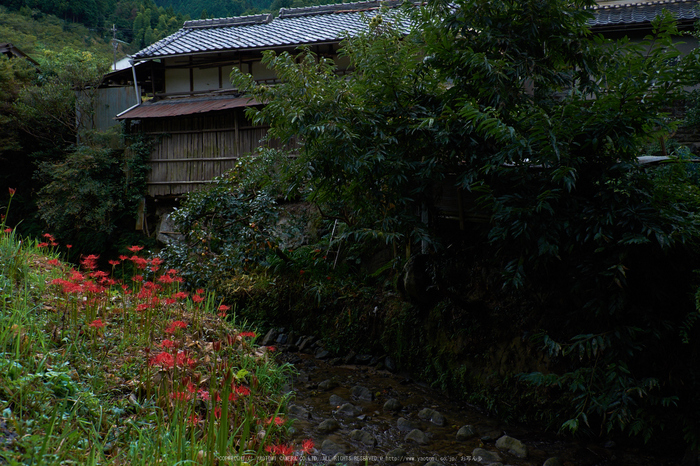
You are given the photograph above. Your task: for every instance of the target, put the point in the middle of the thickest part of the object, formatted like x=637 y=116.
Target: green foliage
x=362 y=151
x=544 y=125
x=232 y=226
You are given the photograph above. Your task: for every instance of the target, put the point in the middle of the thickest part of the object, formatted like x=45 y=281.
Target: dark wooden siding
x=192 y=150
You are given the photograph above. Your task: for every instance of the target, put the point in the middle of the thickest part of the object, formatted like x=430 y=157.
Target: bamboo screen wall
x=192 y=150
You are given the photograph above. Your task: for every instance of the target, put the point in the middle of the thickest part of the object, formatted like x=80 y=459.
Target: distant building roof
x=293 y=26
x=11 y=51
x=623 y=15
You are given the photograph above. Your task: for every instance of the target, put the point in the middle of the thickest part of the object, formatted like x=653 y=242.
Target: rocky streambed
x=359 y=412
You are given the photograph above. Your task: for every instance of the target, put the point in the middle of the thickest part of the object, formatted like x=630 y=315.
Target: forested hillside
x=35 y=25
x=227 y=8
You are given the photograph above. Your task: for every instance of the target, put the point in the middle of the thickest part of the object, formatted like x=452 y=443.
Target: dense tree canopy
x=544 y=124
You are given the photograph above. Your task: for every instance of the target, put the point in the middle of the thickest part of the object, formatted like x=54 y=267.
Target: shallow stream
x=342 y=408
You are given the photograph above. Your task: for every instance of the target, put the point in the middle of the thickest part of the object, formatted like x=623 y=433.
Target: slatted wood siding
x=192 y=150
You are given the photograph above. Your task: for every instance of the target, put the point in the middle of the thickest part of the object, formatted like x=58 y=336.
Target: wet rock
x=417 y=436
x=321 y=354
x=327 y=384
x=404 y=425
x=349 y=358
x=465 y=433
x=305 y=345
x=328 y=426
x=486 y=456
x=348 y=410
x=433 y=416
x=513 y=446
x=362 y=393
x=336 y=401
x=554 y=461
x=364 y=437
x=330 y=447
x=363 y=358
x=282 y=339
x=269 y=337
x=392 y=404
x=297 y=412
x=390 y=364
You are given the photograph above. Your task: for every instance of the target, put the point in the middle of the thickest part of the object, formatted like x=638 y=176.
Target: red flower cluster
x=174 y=325
x=168 y=361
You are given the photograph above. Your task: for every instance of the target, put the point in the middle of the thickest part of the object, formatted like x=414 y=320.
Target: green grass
x=97 y=371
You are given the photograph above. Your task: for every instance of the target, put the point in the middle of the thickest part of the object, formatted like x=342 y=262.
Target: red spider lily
x=69 y=246
x=241 y=390
x=283 y=450
x=122 y=257
x=271 y=349
x=277 y=420
x=53 y=262
x=77 y=276
x=199 y=291
x=12 y=191
x=99 y=275
x=180 y=396
x=165 y=279
x=197 y=298
x=169 y=301
x=192 y=388
x=216 y=346
x=178 y=324
x=49 y=236
x=217 y=412
x=203 y=394
x=135 y=248
x=114 y=263
x=140 y=262
x=247 y=334
x=42 y=245
x=156 y=261
x=97 y=323
x=167 y=344
x=307 y=446
x=180 y=295
x=194 y=419
x=8 y=230
x=162 y=359
x=137 y=278
x=143 y=307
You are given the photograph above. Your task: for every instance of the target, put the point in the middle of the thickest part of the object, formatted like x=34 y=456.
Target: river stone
x=466 y=432
x=328 y=426
x=418 y=436
x=363 y=358
x=327 y=384
x=512 y=446
x=269 y=337
x=425 y=413
x=282 y=339
x=329 y=447
x=348 y=410
x=298 y=412
x=438 y=419
x=389 y=364
x=485 y=456
x=554 y=461
x=392 y=404
x=321 y=354
x=364 y=437
x=404 y=425
x=336 y=400
x=362 y=393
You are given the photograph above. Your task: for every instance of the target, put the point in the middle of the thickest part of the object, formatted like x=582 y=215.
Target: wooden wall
x=191 y=150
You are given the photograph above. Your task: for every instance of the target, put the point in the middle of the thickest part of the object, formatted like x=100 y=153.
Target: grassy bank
x=95 y=370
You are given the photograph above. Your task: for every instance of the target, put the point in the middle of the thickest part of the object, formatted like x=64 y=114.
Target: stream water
x=343 y=409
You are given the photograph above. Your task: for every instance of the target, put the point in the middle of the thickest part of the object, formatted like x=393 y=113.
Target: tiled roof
x=294 y=26
x=623 y=15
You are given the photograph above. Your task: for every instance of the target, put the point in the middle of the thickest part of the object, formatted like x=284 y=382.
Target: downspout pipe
x=136 y=83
